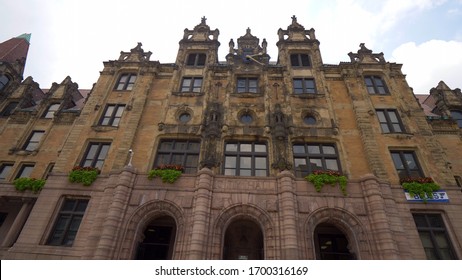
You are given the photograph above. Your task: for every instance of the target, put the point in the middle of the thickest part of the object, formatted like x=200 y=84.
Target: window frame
x=457 y=119
x=432 y=230
x=192 y=87
x=407 y=171
x=247 y=88
x=388 y=121
x=32 y=144
x=298 y=58
x=4 y=175
x=111 y=118
x=4 y=81
x=96 y=161
x=125 y=83
x=304 y=89
x=200 y=59
x=22 y=169
x=9 y=108
x=308 y=156
x=68 y=216
x=239 y=154
x=374 y=87
x=173 y=154
x=49 y=112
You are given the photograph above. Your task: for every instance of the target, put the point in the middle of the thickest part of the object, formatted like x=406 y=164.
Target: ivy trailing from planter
x=35 y=185
x=169 y=173
x=319 y=178
x=85 y=175
x=423 y=187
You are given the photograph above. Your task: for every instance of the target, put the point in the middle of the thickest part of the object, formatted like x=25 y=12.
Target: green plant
x=319 y=178
x=423 y=187
x=169 y=173
x=84 y=175
x=35 y=185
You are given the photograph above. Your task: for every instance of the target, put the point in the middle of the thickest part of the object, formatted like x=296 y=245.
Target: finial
x=248 y=30
x=130 y=152
x=294 y=19
x=203 y=19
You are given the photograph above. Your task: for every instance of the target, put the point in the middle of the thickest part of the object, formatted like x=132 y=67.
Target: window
x=375 y=85
x=126 y=82
x=25 y=171
x=8 y=110
x=309 y=157
x=389 y=121
x=304 y=85
x=457 y=116
x=68 y=222
x=2 y=217
x=309 y=120
x=247 y=85
x=4 y=80
x=246 y=118
x=184 y=117
x=179 y=152
x=196 y=59
x=191 y=84
x=299 y=59
x=50 y=112
x=406 y=164
x=95 y=155
x=33 y=141
x=246 y=159
x=434 y=236
x=112 y=115
x=5 y=169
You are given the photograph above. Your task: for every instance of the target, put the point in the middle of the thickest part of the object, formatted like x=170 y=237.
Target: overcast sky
x=74 y=37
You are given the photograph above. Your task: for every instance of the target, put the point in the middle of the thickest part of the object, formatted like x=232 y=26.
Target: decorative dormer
x=199 y=46
x=446 y=99
x=137 y=54
x=248 y=50
x=365 y=55
x=298 y=47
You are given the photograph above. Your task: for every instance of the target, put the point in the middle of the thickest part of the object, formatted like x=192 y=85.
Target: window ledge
x=187 y=93
x=246 y=94
x=308 y=95
x=402 y=135
x=104 y=128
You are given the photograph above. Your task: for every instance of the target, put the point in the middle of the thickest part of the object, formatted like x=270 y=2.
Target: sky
x=74 y=37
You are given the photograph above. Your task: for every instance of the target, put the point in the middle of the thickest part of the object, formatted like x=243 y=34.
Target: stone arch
x=345 y=221
x=243 y=211
x=141 y=217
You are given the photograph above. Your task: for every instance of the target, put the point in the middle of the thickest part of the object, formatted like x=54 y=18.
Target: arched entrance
x=243 y=241
x=158 y=241
x=331 y=243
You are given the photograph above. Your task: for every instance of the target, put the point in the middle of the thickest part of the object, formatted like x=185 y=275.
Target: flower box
x=169 y=173
x=421 y=186
x=85 y=175
x=35 y=185
x=319 y=178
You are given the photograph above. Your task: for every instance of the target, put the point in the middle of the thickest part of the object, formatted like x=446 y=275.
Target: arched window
x=159 y=239
x=243 y=241
x=457 y=116
x=331 y=243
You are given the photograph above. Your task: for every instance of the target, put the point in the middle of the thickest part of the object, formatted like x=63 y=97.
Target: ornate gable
x=365 y=55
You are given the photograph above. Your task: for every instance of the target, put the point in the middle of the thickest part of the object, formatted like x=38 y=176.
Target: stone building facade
x=246 y=131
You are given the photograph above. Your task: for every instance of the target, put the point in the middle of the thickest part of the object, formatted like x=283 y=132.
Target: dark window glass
x=246 y=159
x=3 y=81
x=2 y=217
x=8 y=110
x=245 y=85
x=457 y=116
x=95 y=155
x=390 y=121
x=25 y=171
x=34 y=141
x=184 y=117
x=179 y=152
x=310 y=120
x=196 y=59
x=309 y=157
x=298 y=59
x=375 y=85
x=50 y=112
x=5 y=169
x=406 y=164
x=191 y=84
x=68 y=222
x=433 y=235
x=126 y=82
x=304 y=85
x=112 y=115
x=246 y=118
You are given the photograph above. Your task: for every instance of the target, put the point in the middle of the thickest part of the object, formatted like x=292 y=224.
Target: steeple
x=14 y=51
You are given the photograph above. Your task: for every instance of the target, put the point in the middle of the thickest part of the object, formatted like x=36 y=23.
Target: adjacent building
x=245 y=132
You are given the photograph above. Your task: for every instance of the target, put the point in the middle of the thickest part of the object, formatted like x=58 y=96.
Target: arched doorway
x=158 y=241
x=243 y=241
x=331 y=243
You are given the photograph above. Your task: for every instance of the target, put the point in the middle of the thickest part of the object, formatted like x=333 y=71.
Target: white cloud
x=430 y=62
